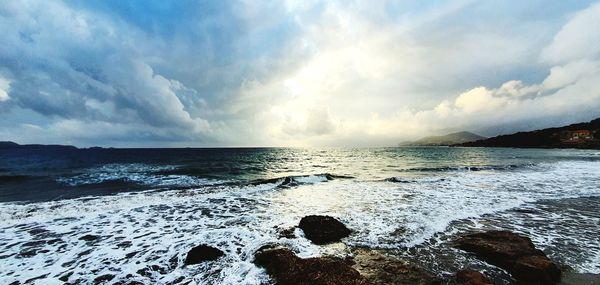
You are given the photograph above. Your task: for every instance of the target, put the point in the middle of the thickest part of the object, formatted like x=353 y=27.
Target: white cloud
x=369 y=77
x=578 y=39
x=349 y=77
x=563 y=75
x=4 y=89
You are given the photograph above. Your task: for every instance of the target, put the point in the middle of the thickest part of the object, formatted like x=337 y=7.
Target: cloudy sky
x=287 y=73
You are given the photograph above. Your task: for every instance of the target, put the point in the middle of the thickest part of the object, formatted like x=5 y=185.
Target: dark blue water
x=39 y=174
x=149 y=206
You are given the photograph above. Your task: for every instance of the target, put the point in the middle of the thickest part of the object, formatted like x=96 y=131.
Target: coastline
x=411 y=214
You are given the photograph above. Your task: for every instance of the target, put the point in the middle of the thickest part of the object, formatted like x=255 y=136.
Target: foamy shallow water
x=145 y=236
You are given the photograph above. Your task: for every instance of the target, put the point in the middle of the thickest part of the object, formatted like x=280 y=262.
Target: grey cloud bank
x=244 y=73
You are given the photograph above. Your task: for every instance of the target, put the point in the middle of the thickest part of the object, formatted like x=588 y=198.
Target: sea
x=146 y=208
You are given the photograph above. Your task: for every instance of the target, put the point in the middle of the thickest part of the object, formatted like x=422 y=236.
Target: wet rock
x=159 y=269
x=525 y=210
x=173 y=262
x=498 y=246
x=288 y=269
x=131 y=254
x=202 y=253
x=31 y=280
x=287 y=233
x=38 y=231
x=148 y=270
x=53 y=241
x=103 y=278
x=381 y=269
x=34 y=243
x=323 y=229
x=514 y=253
x=206 y=212
x=68 y=263
x=27 y=253
x=124 y=244
x=178 y=280
x=89 y=238
x=536 y=267
x=84 y=253
x=128 y=283
x=470 y=277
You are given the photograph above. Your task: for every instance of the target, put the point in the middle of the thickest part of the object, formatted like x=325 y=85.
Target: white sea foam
x=310 y=179
x=145 y=236
x=137 y=173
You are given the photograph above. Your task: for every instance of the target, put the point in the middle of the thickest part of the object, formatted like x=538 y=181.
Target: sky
x=292 y=73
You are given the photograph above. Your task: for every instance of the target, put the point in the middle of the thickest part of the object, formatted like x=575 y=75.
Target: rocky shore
x=512 y=252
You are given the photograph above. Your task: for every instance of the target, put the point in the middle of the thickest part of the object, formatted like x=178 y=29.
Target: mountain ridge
x=579 y=135
x=445 y=140
x=14 y=145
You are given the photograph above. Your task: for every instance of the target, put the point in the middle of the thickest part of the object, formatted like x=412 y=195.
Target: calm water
x=150 y=206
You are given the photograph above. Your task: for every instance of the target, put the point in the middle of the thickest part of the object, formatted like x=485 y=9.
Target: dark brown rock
x=381 y=269
x=470 y=277
x=514 y=253
x=202 y=253
x=288 y=269
x=323 y=229
x=536 y=268
x=498 y=247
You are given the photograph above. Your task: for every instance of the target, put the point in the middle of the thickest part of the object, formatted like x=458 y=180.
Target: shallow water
x=147 y=208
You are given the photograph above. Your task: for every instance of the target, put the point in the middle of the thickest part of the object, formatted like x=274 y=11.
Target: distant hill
x=581 y=135
x=8 y=144
x=13 y=145
x=449 y=139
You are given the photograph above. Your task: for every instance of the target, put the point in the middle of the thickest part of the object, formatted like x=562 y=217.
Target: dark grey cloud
x=165 y=65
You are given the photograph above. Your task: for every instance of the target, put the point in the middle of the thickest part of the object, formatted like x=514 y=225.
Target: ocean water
x=148 y=207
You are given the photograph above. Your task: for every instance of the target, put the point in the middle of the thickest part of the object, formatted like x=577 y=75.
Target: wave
x=171 y=177
x=462 y=169
x=294 y=180
x=141 y=174
x=405 y=180
x=469 y=168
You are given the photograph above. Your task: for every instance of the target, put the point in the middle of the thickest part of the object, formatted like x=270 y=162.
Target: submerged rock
x=470 y=277
x=514 y=253
x=288 y=269
x=202 y=253
x=323 y=229
x=381 y=269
